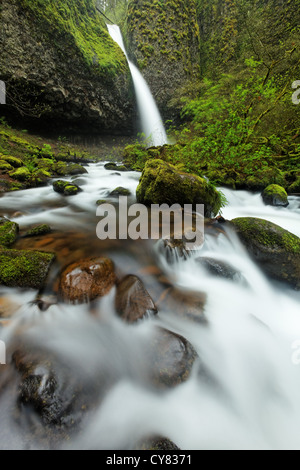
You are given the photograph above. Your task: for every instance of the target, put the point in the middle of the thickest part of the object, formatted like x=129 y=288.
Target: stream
x=248 y=345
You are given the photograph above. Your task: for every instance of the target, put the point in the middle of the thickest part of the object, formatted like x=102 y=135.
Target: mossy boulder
x=120 y=192
x=21 y=174
x=66 y=188
x=13 y=161
x=5 y=166
x=39 y=177
x=26 y=269
x=276 y=250
x=42 y=229
x=115 y=167
x=8 y=232
x=163 y=183
x=275 y=195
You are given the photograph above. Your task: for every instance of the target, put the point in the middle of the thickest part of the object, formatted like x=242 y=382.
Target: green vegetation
x=8 y=232
x=77 y=26
x=39 y=230
x=26 y=269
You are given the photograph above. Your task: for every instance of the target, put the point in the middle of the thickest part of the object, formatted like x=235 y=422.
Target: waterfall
x=152 y=125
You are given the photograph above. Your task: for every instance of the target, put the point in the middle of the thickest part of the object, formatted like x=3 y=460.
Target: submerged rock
x=275 y=195
x=219 y=269
x=276 y=250
x=42 y=229
x=162 y=183
x=133 y=302
x=87 y=280
x=171 y=358
x=28 y=269
x=8 y=232
x=120 y=192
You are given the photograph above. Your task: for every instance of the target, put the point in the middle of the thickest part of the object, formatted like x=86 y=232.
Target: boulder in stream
x=276 y=250
x=66 y=188
x=162 y=183
x=27 y=269
x=275 y=195
x=133 y=302
x=8 y=232
x=87 y=280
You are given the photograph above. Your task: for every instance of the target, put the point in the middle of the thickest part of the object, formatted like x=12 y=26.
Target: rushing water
x=247 y=346
x=151 y=121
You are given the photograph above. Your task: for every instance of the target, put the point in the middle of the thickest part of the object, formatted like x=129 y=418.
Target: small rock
x=133 y=302
x=219 y=269
x=120 y=192
x=86 y=280
x=39 y=230
x=171 y=358
x=275 y=195
x=8 y=232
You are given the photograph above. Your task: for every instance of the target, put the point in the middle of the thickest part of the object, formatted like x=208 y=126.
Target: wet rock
x=275 y=195
x=115 y=167
x=171 y=358
x=42 y=229
x=276 y=250
x=8 y=232
x=157 y=443
x=188 y=304
x=101 y=201
x=219 y=269
x=44 y=302
x=66 y=188
x=28 y=269
x=133 y=302
x=120 y=192
x=87 y=280
x=162 y=183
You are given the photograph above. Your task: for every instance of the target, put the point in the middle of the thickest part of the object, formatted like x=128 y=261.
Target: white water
x=247 y=346
x=151 y=121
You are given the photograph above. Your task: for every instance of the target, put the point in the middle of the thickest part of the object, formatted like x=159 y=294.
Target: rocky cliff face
x=61 y=66
x=163 y=39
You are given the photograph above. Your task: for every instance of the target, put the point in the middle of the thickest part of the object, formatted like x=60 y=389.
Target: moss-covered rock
x=162 y=183
x=39 y=230
x=5 y=167
x=120 y=192
x=13 y=161
x=66 y=188
x=275 y=195
x=39 y=177
x=28 y=269
x=8 y=232
x=71 y=190
x=21 y=174
x=276 y=250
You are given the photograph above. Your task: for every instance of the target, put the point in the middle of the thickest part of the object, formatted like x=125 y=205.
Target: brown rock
x=133 y=302
x=86 y=280
x=8 y=307
x=187 y=304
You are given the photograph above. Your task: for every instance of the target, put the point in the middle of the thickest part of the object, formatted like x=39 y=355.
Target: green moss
x=21 y=174
x=5 y=167
x=76 y=27
x=120 y=192
x=275 y=195
x=39 y=230
x=8 y=232
x=27 y=269
x=267 y=234
x=13 y=161
x=59 y=186
x=163 y=183
x=71 y=190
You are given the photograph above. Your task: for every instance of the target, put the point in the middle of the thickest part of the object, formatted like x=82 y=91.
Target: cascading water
x=152 y=125
x=251 y=400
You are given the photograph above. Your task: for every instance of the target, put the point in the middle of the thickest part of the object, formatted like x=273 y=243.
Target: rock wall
x=62 y=70
x=163 y=39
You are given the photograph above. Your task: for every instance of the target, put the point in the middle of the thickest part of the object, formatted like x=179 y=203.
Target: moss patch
x=27 y=269
x=39 y=230
x=8 y=232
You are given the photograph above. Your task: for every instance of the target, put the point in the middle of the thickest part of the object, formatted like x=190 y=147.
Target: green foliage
x=78 y=27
